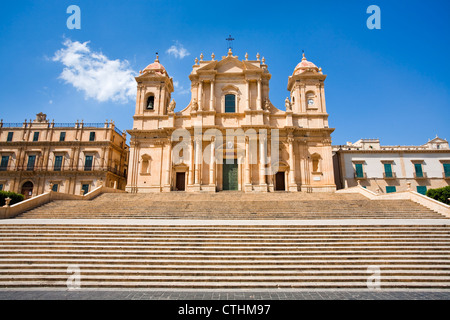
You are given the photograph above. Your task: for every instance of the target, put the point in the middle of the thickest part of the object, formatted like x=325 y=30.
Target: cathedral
x=230 y=136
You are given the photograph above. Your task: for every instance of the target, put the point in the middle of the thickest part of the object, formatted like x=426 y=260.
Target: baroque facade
x=386 y=169
x=39 y=155
x=230 y=136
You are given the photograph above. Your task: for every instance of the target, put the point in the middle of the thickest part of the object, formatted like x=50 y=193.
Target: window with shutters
x=422 y=190
x=391 y=189
x=58 y=163
x=4 y=163
x=230 y=103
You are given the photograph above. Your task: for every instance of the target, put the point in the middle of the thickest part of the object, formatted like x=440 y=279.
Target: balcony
x=420 y=175
x=360 y=175
x=389 y=175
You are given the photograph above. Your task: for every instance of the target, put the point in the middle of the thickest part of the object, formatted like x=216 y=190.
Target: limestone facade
x=74 y=158
x=231 y=136
x=386 y=169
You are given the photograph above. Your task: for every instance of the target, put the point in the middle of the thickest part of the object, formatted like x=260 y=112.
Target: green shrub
x=15 y=197
x=441 y=194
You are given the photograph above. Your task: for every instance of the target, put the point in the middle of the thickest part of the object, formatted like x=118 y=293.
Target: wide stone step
x=416 y=268
x=227 y=285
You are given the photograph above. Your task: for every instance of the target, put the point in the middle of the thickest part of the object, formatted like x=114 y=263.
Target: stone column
x=191 y=166
x=292 y=183
x=102 y=159
x=212 y=163
x=168 y=166
x=322 y=97
x=211 y=104
x=106 y=163
x=248 y=95
x=248 y=173
x=262 y=157
x=198 y=157
x=200 y=94
x=259 y=100
x=302 y=98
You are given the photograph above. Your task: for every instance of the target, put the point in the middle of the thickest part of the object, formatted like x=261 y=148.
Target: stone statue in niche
x=287 y=104
x=172 y=105
x=266 y=104
x=194 y=106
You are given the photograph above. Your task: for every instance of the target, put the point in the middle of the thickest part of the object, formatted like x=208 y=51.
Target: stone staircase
x=228 y=240
x=231 y=205
x=223 y=256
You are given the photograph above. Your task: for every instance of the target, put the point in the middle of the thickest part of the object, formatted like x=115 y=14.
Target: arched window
x=230 y=103
x=150 y=102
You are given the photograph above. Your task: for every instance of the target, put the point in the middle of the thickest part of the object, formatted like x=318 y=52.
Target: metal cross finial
x=230 y=42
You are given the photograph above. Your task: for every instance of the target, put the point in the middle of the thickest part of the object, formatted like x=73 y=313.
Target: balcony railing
x=64 y=125
x=97 y=125
x=389 y=175
x=420 y=175
x=360 y=175
x=11 y=125
x=81 y=168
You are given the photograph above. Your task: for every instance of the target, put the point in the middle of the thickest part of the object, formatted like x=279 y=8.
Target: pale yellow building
x=386 y=169
x=231 y=136
x=74 y=158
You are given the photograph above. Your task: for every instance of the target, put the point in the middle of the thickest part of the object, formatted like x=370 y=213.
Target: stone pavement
x=44 y=294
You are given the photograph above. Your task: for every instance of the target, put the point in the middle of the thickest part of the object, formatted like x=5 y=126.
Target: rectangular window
x=230 y=103
x=31 y=161
x=422 y=190
x=36 y=136
x=55 y=187
x=391 y=189
x=88 y=163
x=1 y=187
x=359 y=170
x=62 y=136
x=58 y=163
x=4 y=164
x=10 y=136
x=92 y=136
x=447 y=170
x=85 y=188
x=418 y=169
x=388 y=170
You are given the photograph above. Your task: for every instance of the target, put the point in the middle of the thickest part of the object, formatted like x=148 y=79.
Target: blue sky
x=390 y=84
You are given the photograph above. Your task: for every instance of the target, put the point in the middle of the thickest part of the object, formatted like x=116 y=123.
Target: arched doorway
x=27 y=189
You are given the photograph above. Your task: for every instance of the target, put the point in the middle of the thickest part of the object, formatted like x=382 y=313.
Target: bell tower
x=306 y=87
x=154 y=88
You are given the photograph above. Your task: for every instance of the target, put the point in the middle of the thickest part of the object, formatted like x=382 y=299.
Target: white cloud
x=180 y=89
x=94 y=74
x=178 y=51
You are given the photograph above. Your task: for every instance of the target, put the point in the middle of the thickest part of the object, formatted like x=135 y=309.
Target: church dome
x=156 y=67
x=305 y=65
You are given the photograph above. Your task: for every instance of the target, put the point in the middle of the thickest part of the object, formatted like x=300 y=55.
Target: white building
x=386 y=169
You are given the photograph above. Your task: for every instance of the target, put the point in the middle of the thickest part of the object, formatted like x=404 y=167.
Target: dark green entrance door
x=230 y=175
